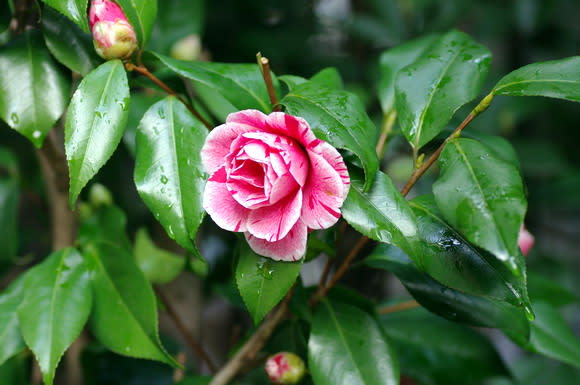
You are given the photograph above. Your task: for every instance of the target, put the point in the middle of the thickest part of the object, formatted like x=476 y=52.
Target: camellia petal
x=217 y=145
x=221 y=206
x=272 y=223
x=334 y=159
x=290 y=248
x=292 y=126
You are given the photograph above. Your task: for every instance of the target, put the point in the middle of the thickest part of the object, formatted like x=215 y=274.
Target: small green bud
x=285 y=368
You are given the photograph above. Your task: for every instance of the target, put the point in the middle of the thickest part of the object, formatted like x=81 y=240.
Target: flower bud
x=113 y=36
x=285 y=368
x=525 y=240
x=187 y=48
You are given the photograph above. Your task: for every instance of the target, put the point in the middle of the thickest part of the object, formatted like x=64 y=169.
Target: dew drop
x=36 y=134
x=265 y=270
x=14 y=118
x=164 y=179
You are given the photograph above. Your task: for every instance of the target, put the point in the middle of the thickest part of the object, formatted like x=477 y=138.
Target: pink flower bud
x=285 y=368
x=113 y=36
x=525 y=240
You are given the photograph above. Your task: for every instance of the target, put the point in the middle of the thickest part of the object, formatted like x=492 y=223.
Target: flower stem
x=264 y=65
x=142 y=70
x=399 y=307
x=482 y=106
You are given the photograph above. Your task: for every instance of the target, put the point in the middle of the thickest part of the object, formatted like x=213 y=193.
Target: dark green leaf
x=339 y=118
x=16 y=371
x=240 y=84
x=8 y=220
x=381 y=213
x=10 y=339
x=328 y=77
x=95 y=121
x=76 y=10
x=158 y=265
x=68 y=44
x=554 y=79
x=140 y=103
x=292 y=81
x=450 y=259
x=482 y=196
x=176 y=19
x=263 y=282
x=544 y=289
x=141 y=14
x=348 y=347
x=168 y=171
x=450 y=303
x=538 y=370
x=33 y=91
x=550 y=335
x=124 y=316
x=56 y=306
x=107 y=223
x=393 y=60
x=435 y=351
x=5 y=15
x=429 y=91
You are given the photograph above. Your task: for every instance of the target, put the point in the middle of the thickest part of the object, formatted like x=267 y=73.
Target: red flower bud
x=113 y=36
x=285 y=368
x=525 y=240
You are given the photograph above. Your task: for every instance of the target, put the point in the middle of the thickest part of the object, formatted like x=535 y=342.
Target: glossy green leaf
x=381 y=213
x=429 y=91
x=328 y=77
x=292 y=81
x=482 y=196
x=447 y=257
x=554 y=79
x=95 y=121
x=241 y=85
x=33 y=91
x=538 y=370
x=434 y=351
x=158 y=265
x=348 y=347
x=449 y=303
x=549 y=290
x=175 y=20
x=168 y=171
x=9 y=197
x=550 y=335
x=11 y=341
x=69 y=44
x=76 y=10
x=141 y=14
x=393 y=60
x=124 y=316
x=339 y=118
x=140 y=103
x=55 y=308
x=263 y=282
x=107 y=223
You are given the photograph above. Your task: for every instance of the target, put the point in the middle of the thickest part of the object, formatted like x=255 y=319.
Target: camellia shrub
x=291 y=172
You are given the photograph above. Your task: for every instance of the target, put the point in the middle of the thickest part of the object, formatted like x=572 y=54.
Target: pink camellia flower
x=272 y=179
x=113 y=36
x=284 y=368
x=525 y=240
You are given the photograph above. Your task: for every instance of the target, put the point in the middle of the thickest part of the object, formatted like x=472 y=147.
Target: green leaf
x=549 y=290
x=435 y=351
x=69 y=44
x=76 y=10
x=328 y=77
x=9 y=197
x=158 y=265
x=95 y=121
x=55 y=308
x=447 y=257
x=553 y=79
x=348 y=347
x=168 y=171
x=140 y=103
x=124 y=317
x=141 y=14
x=33 y=91
x=449 y=303
x=107 y=223
x=393 y=60
x=482 y=196
x=339 y=118
x=16 y=371
x=550 y=335
x=10 y=338
x=241 y=85
x=292 y=81
x=381 y=213
x=263 y=282
x=175 y=20
x=429 y=91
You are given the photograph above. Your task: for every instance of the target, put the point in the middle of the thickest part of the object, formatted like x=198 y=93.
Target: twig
x=388 y=123
x=482 y=106
x=191 y=341
x=264 y=64
x=249 y=351
x=145 y=72
x=399 y=307
x=326 y=271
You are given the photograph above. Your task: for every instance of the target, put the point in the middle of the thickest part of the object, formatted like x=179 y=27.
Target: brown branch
x=326 y=271
x=264 y=64
x=145 y=72
x=399 y=307
x=482 y=106
x=249 y=351
x=191 y=341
